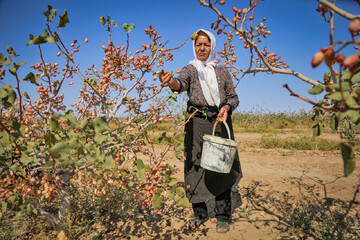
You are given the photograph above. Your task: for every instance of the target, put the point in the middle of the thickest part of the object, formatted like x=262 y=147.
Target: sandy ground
x=273 y=180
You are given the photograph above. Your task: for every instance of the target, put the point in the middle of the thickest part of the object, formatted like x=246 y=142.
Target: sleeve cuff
x=179 y=90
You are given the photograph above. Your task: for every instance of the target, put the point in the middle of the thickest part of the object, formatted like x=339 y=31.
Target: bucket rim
x=220 y=140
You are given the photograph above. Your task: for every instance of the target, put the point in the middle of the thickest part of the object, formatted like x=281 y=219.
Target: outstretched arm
x=167 y=80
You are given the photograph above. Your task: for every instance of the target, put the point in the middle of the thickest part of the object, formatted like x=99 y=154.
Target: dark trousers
x=222 y=207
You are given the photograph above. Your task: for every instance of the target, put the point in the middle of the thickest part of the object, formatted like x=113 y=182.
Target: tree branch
x=338 y=10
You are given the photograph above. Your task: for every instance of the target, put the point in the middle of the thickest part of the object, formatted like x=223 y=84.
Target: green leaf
x=84 y=123
x=347 y=75
x=128 y=28
x=180 y=191
x=53 y=124
x=25 y=95
x=140 y=164
x=25 y=159
x=13 y=71
x=11 y=51
x=100 y=124
x=193 y=36
x=50 y=39
x=99 y=138
x=71 y=119
x=345 y=86
x=357 y=90
x=92 y=81
x=102 y=20
x=63 y=19
x=171 y=196
x=62 y=148
x=172 y=181
x=356 y=78
x=182 y=201
x=38 y=40
x=50 y=13
x=338 y=96
x=3 y=206
x=316 y=90
x=157 y=201
x=348 y=158
x=353 y=115
x=318 y=129
x=350 y=101
x=19 y=170
x=32 y=78
x=10 y=99
x=334 y=122
x=3 y=93
x=50 y=139
x=109 y=162
x=4 y=60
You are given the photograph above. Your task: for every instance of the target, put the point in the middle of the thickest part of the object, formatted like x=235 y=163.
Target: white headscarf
x=206 y=72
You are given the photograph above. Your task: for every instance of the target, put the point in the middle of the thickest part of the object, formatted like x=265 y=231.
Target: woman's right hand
x=165 y=78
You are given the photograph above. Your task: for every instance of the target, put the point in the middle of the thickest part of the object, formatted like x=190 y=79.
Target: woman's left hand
x=223 y=113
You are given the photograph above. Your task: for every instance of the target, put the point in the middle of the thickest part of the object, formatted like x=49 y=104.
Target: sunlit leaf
x=157 y=201
x=347 y=75
x=25 y=95
x=3 y=93
x=38 y=40
x=180 y=191
x=32 y=78
x=140 y=164
x=108 y=163
x=4 y=60
x=353 y=115
x=92 y=81
x=63 y=19
x=356 y=78
x=182 y=201
x=50 y=13
x=193 y=36
x=13 y=71
x=102 y=20
x=351 y=102
x=11 y=51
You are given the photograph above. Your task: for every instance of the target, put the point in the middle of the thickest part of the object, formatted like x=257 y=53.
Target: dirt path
x=273 y=184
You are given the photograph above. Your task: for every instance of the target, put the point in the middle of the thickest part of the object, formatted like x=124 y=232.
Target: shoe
x=222 y=227
x=196 y=222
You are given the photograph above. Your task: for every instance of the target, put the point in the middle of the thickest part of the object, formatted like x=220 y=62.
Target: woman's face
x=202 y=48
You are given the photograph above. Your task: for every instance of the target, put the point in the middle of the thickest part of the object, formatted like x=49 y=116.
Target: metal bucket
x=218 y=153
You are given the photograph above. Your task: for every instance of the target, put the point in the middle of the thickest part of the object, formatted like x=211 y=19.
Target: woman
x=210 y=89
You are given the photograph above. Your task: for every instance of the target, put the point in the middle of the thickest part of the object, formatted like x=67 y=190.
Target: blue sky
x=298 y=31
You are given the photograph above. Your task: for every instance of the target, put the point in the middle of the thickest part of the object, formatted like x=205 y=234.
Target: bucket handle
x=227 y=128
